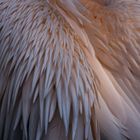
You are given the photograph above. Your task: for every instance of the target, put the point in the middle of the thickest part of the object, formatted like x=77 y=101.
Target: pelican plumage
x=70 y=69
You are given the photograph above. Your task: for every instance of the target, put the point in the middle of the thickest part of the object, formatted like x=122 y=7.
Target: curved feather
x=45 y=71
x=69 y=69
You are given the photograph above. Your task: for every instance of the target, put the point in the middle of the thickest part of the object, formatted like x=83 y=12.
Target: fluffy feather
x=69 y=69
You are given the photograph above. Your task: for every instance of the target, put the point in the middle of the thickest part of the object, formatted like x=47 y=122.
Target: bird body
x=69 y=70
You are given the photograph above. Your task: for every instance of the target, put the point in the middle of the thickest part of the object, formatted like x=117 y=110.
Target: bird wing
x=117 y=48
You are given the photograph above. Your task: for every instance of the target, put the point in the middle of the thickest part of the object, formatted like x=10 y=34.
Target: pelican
x=69 y=69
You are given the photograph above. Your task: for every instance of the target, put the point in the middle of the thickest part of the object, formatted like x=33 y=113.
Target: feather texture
x=69 y=70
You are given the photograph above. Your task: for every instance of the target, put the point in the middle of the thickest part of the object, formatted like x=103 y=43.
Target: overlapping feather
x=45 y=69
x=69 y=67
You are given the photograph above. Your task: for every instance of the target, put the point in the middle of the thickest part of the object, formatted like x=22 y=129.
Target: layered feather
x=69 y=69
x=45 y=70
